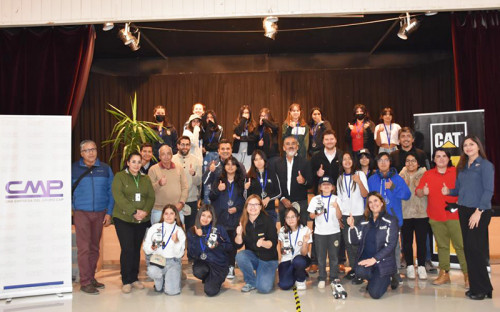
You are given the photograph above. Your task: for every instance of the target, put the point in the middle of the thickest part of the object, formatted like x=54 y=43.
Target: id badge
x=137 y=197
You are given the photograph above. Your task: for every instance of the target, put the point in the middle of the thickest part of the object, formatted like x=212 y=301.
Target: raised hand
x=350 y=221
x=198 y=231
x=356 y=178
x=445 y=190
x=175 y=239
x=222 y=186
x=247 y=183
x=388 y=184
x=320 y=173
x=426 y=189
x=306 y=237
x=191 y=170
x=300 y=179
x=239 y=229
x=350 y=126
x=212 y=166
x=261 y=142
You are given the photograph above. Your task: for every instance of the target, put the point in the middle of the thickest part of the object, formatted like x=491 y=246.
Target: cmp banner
x=448 y=130
x=35 y=209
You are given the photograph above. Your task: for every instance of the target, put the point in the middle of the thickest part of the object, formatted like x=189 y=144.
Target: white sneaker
x=422 y=273
x=321 y=284
x=410 y=272
x=300 y=285
x=230 y=275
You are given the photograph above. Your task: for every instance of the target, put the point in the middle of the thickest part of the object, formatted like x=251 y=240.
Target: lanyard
x=230 y=190
x=296 y=237
x=163 y=235
x=261 y=132
x=328 y=208
x=136 y=180
x=297 y=132
x=348 y=188
x=384 y=193
x=211 y=138
x=388 y=134
x=263 y=183
x=315 y=131
x=204 y=246
x=359 y=129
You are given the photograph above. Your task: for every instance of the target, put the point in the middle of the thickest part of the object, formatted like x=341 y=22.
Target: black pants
x=231 y=256
x=189 y=220
x=419 y=226
x=212 y=275
x=130 y=236
x=476 y=249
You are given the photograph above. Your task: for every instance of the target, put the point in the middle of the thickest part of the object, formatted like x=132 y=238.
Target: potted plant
x=129 y=132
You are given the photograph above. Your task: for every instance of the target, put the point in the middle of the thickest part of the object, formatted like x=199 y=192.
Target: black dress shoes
x=478 y=296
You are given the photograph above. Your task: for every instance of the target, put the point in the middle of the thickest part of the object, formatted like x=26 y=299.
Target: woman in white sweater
x=165 y=242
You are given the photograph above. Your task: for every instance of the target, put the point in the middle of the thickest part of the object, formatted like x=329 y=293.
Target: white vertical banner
x=35 y=205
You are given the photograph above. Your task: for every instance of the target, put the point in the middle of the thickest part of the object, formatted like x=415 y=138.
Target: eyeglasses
x=89 y=150
x=254 y=205
x=291 y=217
x=411 y=161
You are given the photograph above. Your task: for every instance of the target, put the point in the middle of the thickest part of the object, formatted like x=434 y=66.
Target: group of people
x=213 y=197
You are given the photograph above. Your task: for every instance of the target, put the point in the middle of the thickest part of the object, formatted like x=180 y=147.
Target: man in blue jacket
x=393 y=188
x=92 y=208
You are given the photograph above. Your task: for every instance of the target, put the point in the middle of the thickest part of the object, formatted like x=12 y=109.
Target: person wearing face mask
x=165 y=130
x=268 y=131
x=317 y=125
x=245 y=136
x=211 y=134
x=359 y=132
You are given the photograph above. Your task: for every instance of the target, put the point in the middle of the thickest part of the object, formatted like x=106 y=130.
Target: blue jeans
x=293 y=270
x=265 y=271
x=168 y=278
x=377 y=285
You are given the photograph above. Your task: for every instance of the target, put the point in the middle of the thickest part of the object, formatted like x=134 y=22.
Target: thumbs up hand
x=445 y=190
x=222 y=186
x=350 y=126
x=300 y=179
x=426 y=189
x=247 y=184
x=175 y=239
x=388 y=184
x=239 y=229
x=320 y=173
x=191 y=170
x=350 y=221
x=355 y=178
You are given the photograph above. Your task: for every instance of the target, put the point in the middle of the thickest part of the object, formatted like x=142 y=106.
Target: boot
x=443 y=278
x=466 y=281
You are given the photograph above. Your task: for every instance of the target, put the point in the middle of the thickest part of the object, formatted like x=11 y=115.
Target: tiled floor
x=411 y=296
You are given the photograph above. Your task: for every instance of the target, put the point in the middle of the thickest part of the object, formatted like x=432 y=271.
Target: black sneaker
x=394 y=282
x=350 y=275
x=357 y=281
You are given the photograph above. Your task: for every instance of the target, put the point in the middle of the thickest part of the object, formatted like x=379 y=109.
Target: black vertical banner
x=447 y=130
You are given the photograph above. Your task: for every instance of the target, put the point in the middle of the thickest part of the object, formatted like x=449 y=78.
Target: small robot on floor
x=338 y=290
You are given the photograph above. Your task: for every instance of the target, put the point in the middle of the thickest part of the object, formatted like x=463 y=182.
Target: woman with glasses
x=259 y=260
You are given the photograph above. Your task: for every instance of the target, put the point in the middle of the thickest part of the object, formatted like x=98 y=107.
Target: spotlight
x=430 y=13
x=125 y=35
x=108 y=26
x=270 y=26
x=134 y=45
x=407 y=26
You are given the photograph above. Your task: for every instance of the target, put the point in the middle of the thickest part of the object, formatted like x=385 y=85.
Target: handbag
x=158 y=260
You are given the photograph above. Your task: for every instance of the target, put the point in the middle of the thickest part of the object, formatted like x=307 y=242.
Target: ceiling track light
x=108 y=26
x=134 y=45
x=125 y=35
x=270 y=25
x=408 y=25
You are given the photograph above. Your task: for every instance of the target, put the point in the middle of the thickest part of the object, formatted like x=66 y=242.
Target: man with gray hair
x=92 y=204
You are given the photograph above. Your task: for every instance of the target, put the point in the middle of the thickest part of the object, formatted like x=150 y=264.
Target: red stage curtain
x=44 y=71
x=476 y=49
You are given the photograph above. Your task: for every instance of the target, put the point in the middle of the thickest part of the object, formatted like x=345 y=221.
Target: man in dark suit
x=326 y=162
x=295 y=177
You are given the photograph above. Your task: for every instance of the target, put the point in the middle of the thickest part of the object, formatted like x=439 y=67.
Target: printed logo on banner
x=38 y=190
x=448 y=135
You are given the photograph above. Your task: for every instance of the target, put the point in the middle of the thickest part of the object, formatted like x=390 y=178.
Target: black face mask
x=360 y=116
x=160 y=118
x=211 y=124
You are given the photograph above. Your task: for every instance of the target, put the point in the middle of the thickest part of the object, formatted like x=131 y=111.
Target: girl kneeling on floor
x=209 y=245
x=325 y=210
x=294 y=240
x=165 y=243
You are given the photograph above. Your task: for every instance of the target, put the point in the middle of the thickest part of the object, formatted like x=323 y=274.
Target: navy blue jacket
x=219 y=202
x=218 y=255
x=386 y=238
x=93 y=193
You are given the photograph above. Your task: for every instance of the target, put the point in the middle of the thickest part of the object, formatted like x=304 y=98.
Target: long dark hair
x=130 y=157
x=297 y=215
x=342 y=171
x=239 y=179
x=463 y=157
x=371 y=164
x=311 y=120
x=251 y=122
x=270 y=117
x=363 y=108
x=205 y=120
x=203 y=208
x=386 y=110
x=368 y=213
x=253 y=172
